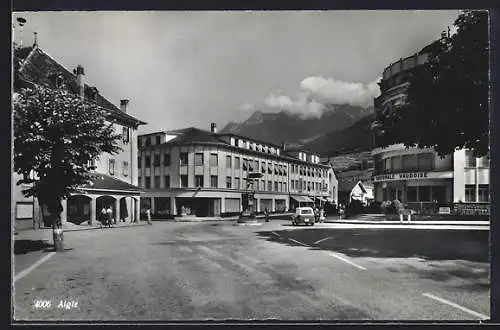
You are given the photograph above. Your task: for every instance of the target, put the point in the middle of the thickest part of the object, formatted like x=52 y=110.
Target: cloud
x=247 y=107
x=329 y=90
x=303 y=104
x=315 y=92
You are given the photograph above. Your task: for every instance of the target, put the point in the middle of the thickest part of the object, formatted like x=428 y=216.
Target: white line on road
x=291 y=239
x=346 y=261
x=447 y=302
x=32 y=267
x=276 y=234
x=324 y=239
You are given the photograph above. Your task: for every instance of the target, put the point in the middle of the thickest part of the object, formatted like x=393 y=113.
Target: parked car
x=303 y=215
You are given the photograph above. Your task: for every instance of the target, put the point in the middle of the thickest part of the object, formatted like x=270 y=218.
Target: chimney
x=123 y=105
x=80 y=80
x=35 y=41
x=213 y=128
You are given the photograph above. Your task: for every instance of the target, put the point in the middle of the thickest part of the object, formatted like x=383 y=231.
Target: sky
x=181 y=69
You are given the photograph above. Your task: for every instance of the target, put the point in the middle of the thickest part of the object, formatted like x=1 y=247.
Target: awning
x=321 y=198
x=302 y=199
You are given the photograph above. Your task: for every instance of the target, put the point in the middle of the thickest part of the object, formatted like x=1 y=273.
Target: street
x=218 y=270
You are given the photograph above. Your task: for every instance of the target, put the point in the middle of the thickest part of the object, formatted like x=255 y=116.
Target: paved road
x=216 y=270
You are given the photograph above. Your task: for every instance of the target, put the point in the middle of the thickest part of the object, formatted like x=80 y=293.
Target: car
x=303 y=215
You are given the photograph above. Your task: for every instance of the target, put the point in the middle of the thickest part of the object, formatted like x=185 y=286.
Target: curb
x=407 y=223
x=93 y=228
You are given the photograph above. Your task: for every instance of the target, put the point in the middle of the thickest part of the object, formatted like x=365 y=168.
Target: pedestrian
x=103 y=218
x=316 y=214
x=321 y=215
x=109 y=213
x=266 y=214
x=148 y=214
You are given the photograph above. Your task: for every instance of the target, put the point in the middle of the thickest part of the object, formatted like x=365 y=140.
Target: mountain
x=355 y=138
x=293 y=128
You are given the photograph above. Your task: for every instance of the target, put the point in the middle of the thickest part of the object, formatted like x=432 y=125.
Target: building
x=349 y=191
x=116 y=182
x=204 y=173
x=419 y=177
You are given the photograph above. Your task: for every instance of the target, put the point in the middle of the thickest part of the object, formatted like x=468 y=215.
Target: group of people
x=106 y=216
x=319 y=214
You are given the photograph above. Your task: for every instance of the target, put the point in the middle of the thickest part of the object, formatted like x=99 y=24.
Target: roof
x=106 y=182
x=250 y=138
x=192 y=134
x=38 y=67
x=346 y=186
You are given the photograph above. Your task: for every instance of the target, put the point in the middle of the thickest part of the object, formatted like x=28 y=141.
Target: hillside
x=355 y=138
x=294 y=128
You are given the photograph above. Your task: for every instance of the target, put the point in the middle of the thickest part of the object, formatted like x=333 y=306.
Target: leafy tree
x=447 y=99
x=57 y=135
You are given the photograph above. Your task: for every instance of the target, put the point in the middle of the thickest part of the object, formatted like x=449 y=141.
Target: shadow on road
x=24 y=246
x=467 y=245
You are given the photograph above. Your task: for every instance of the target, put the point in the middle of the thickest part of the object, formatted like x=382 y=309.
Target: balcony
x=405 y=170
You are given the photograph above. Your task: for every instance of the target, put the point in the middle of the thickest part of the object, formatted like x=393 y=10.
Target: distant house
x=116 y=182
x=350 y=190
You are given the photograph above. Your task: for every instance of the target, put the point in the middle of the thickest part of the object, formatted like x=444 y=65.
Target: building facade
x=116 y=179
x=419 y=177
x=204 y=173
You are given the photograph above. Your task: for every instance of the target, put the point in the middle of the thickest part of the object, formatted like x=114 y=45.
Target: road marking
x=447 y=302
x=346 y=261
x=324 y=239
x=291 y=239
x=32 y=267
x=276 y=234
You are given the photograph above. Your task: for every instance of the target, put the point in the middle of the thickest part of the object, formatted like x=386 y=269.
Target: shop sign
x=400 y=176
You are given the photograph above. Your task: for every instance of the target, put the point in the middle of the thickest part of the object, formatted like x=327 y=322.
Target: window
x=147 y=160
x=280 y=186
x=213 y=181
x=470 y=159
x=148 y=182
x=284 y=186
x=139 y=163
x=470 y=193
x=387 y=164
x=269 y=185
x=167 y=181
x=483 y=193
x=269 y=169
x=158 y=139
x=228 y=162
x=237 y=183
x=262 y=185
x=183 y=158
x=425 y=161
x=166 y=159
x=112 y=167
x=139 y=181
x=198 y=180
x=292 y=186
x=139 y=141
x=409 y=162
x=439 y=194
x=275 y=186
x=184 y=181
x=198 y=159
x=213 y=160
x=424 y=193
x=157 y=181
x=228 y=182
x=156 y=160
x=484 y=162
x=125 y=135
x=125 y=168
x=411 y=194
x=245 y=164
x=396 y=163
x=147 y=141
x=237 y=163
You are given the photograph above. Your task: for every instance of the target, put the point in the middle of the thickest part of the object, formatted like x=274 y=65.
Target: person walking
x=266 y=214
x=109 y=213
x=103 y=217
x=148 y=214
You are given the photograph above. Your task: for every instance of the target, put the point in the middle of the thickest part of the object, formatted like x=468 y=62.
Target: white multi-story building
x=204 y=173
x=419 y=177
x=116 y=183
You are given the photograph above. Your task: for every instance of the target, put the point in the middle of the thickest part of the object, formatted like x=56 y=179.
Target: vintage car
x=303 y=215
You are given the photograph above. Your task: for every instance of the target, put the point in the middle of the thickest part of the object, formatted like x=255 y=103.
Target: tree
x=57 y=135
x=447 y=99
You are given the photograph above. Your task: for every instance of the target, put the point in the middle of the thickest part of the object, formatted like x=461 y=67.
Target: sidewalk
x=201 y=219
x=405 y=222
